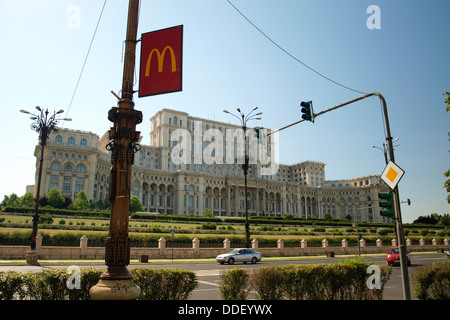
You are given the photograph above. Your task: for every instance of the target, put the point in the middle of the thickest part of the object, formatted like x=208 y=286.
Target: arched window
x=83 y=142
x=58 y=139
x=71 y=140
x=55 y=166
x=175 y=120
x=68 y=167
x=80 y=169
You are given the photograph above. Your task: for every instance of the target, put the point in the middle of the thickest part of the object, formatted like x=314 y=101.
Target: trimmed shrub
x=165 y=284
x=268 y=283
x=432 y=282
x=234 y=284
x=11 y=285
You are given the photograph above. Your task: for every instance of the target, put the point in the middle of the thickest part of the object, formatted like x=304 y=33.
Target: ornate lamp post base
x=32 y=257
x=115 y=290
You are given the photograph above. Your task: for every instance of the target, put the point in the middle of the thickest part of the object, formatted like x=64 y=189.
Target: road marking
x=209 y=283
x=206 y=273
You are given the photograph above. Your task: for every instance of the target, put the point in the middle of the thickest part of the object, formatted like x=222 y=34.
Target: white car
x=239 y=255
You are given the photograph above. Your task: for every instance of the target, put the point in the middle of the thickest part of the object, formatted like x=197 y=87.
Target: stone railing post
x=196 y=246
x=362 y=243
x=38 y=243
x=162 y=247
x=304 y=244
x=83 y=247
x=379 y=243
x=280 y=244
x=324 y=243
x=394 y=242
x=421 y=242
x=255 y=244
x=227 y=244
x=344 y=243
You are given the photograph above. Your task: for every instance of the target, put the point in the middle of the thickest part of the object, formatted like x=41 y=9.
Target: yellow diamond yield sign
x=392 y=174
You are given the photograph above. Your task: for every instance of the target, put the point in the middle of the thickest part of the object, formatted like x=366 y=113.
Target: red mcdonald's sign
x=161 y=59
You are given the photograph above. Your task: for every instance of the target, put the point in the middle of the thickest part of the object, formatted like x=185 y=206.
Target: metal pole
x=117 y=283
x=399 y=224
x=43 y=141
x=245 y=167
x=123 y=144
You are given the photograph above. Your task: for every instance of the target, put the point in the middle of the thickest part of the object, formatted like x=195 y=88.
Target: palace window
x=80 y=169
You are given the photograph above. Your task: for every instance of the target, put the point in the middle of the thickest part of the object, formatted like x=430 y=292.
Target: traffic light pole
x=398 y=217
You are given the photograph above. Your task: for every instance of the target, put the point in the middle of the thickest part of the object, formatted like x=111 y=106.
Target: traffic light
x=307 y=110
x=387 y=204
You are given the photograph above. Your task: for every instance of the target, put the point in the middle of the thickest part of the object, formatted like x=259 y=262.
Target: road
x=209 y=272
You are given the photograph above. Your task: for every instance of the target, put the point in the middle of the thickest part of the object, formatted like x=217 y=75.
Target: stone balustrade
x=163 y=251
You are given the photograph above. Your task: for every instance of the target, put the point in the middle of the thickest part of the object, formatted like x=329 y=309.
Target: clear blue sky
x=229 y=64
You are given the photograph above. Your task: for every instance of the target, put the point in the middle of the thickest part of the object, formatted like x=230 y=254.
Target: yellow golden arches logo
x=160 y=57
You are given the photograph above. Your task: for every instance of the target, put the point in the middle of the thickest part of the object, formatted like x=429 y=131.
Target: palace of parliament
x=77 y=160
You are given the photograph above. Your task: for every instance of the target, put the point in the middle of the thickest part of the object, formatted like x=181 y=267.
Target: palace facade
x=193 y=164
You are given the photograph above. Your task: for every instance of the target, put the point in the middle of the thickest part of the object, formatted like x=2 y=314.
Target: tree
x=55 y=198
x=445 y=220
x=67 y=202
x=5 y=198
x=208 y=213
x=430 y=219
x=135 y=204
x=447 y=173
x=13 y=201
x=27 y=200
x=82 y=202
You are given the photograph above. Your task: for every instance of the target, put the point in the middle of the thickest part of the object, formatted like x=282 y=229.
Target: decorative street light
x=385 y=151
x=243 y=119
x=44 y=125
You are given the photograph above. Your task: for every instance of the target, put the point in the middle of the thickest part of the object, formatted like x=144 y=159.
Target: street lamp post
x=244 y=119
x=385 y=151
x=44 y=125
x=116 y=283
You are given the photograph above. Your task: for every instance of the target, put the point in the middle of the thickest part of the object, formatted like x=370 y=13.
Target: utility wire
x=289 y=54
x=85 y=59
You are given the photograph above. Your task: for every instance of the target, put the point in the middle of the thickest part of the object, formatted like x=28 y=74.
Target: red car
x=393 y=256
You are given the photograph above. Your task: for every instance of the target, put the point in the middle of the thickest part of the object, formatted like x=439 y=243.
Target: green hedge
x=51 y=284
x=343 y=281
x=64 y=212
x=432 y=282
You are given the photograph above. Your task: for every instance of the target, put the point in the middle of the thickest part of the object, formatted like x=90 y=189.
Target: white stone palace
x=210 y=176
